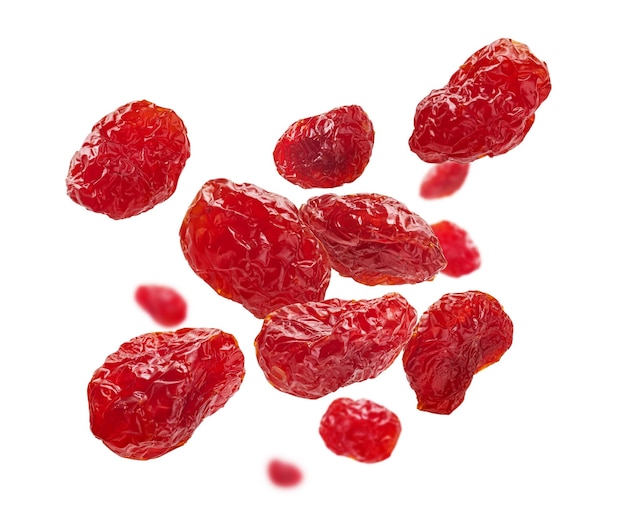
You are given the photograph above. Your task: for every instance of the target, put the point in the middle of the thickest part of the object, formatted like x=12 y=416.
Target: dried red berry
x=250 y=246
x=360 y=429
x=486 y=108
x=458 y=248
x=284 y=474
x=149 y=396
x=164 y=304
x=455 y=338
x=130 y=162
x=312 y=349
x=444 y=179
x=374 y=239
x=327 y=150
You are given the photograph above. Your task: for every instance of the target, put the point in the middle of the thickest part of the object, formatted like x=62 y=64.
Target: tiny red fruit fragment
x=327 y=150
x=360 y=429
x=250 y=246
x=164 y=304
x=153 y=392
x=130 y=162
x=374 y=239
x=312 y=349
x=487 y=107
x=284 y=474
x=458 y=248
x=459 y=335
x=444 y=179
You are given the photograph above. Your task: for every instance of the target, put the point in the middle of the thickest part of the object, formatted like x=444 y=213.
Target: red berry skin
x=459 y=335
x=458 y=248
x=374 y=239
x=153 y=392
x=360 y=429
x=444 y=179
x=284 y=474
x=130 y=162
x=487 y=107
x=327 y=150
x=312 y=349
x=164 y=304
x=250 y=246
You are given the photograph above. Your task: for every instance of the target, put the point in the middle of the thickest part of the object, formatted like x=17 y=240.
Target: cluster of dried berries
x=258 y=249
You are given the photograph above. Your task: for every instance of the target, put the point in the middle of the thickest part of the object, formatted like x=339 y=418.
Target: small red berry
x=284 y=474
x=166 y=306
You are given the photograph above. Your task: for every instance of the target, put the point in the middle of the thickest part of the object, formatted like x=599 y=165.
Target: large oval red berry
x=130 y=162
x=153 y=392
x=251 y=247
x=487 y=107
x=312 y=349
x=326 y=150
x=456 y=337
x=374 y=239
x=360 y=429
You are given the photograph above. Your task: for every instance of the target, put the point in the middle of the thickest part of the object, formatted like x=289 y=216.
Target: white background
x=539 y=438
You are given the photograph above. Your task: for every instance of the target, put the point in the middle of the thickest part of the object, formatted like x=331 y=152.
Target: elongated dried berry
x=327 y=150
x=150 y=396
x=455 y=338
x=360 y=429
x=458 y=248
x=487 y=107
x=164 y=304
x=374 y=239
x=284 y=474
x=250 y=246
x=312 y=349
x=444 y=179
x=130 y=162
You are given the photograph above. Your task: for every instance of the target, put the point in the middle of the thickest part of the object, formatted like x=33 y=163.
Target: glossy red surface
x=458 y=247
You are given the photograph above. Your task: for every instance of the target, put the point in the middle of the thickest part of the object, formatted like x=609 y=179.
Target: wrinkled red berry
x=250 y=246
x=458 y=248
x=327 y=150
x=130 y=162
x=374 y=239
x=312 y=349
x=360 y=429
x=153 y=392
x=164 y=304
x=444 y=179
x=284 y=474
x=487 y=107
x=456 y=337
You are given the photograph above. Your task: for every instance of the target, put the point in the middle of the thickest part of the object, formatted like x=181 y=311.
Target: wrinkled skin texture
x=164 y=304
x=487 y=107
x=360 y=429
x=443 y=180
x=312 y=349
x=130 y=162
x=458 y=248
x=250 y=246
x=456 y=337
x=374 y=239
x=149 y=397
x=327 y=150
x=284 y=474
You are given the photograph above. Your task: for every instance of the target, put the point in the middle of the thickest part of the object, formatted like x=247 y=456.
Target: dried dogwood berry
x=327 y=150
x=250 y=246
x=150 y=396
x=458 y=248
x=284 y=474
x=130 y=162
x=360 y=429
x=487 y=107
x=374 y=239
x=164 y=304
x=444 y=179
x=312 y=349
x=455 y=338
